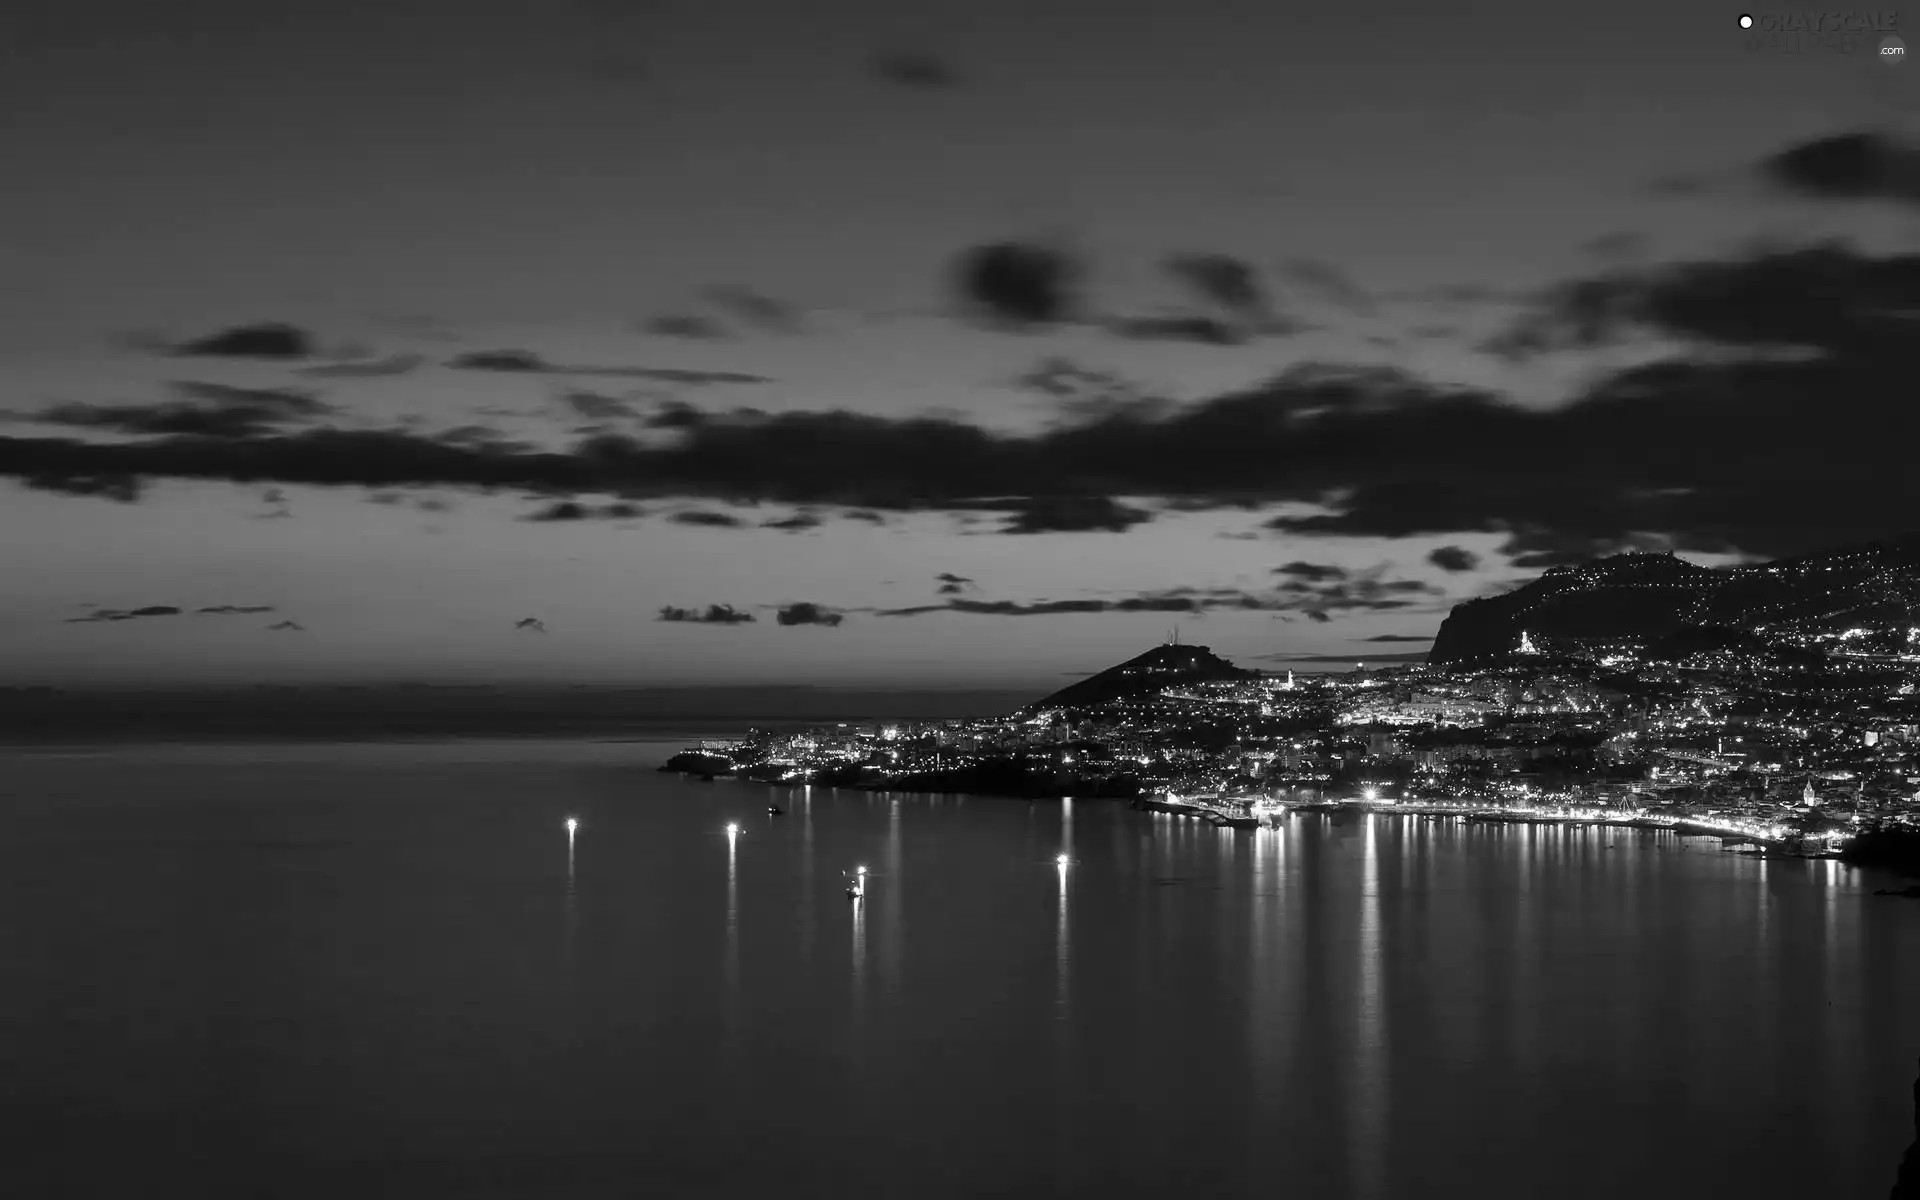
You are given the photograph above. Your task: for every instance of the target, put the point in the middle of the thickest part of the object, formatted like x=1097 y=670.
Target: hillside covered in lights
x=1860 y=602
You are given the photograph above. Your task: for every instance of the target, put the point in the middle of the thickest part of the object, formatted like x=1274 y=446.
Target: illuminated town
x=1791 y=734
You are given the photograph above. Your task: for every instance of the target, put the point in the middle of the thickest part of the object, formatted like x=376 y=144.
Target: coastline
x=1895 y=850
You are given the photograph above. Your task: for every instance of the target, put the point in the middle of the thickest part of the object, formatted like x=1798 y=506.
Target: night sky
x=953 y=344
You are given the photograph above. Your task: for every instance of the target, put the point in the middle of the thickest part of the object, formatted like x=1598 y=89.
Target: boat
x=858 y=887
x=774 y=810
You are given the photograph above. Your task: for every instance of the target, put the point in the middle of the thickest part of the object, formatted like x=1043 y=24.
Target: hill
x=1161 y=667
x=1643 y=600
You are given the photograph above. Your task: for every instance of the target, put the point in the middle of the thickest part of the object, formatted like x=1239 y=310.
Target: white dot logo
x=1746 y=22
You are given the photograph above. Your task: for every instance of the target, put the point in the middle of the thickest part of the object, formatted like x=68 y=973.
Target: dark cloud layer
x=1371 y=593
x=398 y=364
x=1018 y=284
x=1311 y=572
x=573 y=510
x=799 y=522
x=526 y=362
x=125 y=614
x=1849 y=166
x=596 y=407
x=214 y=410
x=1224 y=281
x=710 y=520
x=1454 y=559
x=1773 y=425
x=270 y=340
x=805 y=613
x=713 y=614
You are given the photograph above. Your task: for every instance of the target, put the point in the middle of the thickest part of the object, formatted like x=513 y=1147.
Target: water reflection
x=858 y=905
x=1368 y=1099
x=1061 y=1008
x=731 y=1000
x=895 y=929
x=808 y=914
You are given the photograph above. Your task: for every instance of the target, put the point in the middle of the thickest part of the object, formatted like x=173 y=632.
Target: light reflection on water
x=1343 y=1006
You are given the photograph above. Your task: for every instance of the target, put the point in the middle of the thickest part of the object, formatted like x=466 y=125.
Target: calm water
x=366 y=970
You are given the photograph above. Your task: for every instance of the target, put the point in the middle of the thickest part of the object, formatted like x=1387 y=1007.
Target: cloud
x=1398 y=637
x=596 y=407
x=917 y=71
x=686 y=325
x=1075 y=514
x=761 y=311
x=573 y=510
x=676 y=414
x=208 y=410
x=1847 y=166
x=1760 y=429
x=1205 y=331
x=228 y=609
x=1229 y=283
x=797 y=523
x=1311 y=572
x=398 y=364
x=270 y=340
x=287 y=627
x=127 y=489
x=1315 y=602
x=125 y=614
x=1820 y=299
x=1330 y=283
x=1318 y=594
x=805 y=613
x=1018 y=285
x=1454 y=559
x=526 y=362
x=711 y=520
x=714 y=614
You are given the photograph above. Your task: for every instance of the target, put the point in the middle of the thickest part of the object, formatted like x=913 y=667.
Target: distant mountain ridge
x=1161 y=667
x=1645 y=599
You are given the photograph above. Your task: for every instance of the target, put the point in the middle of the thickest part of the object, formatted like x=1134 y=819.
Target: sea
x=390 y=969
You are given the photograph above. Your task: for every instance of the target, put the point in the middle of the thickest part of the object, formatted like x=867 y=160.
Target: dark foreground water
x=375 y=971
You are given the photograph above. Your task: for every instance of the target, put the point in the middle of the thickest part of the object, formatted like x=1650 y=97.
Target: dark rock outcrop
x=1647 y=599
